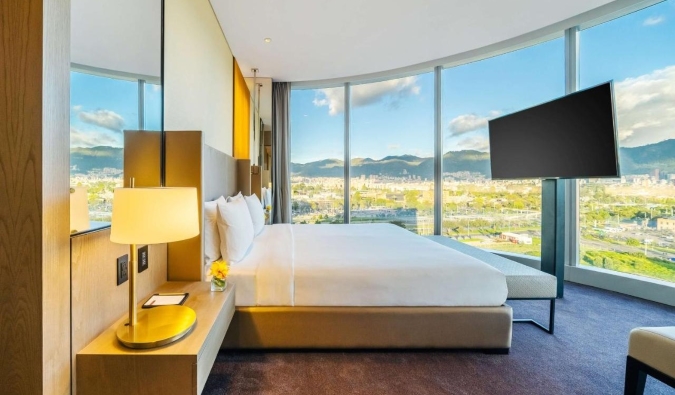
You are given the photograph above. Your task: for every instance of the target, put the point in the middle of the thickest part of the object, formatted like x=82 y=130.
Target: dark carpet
x=585 y=356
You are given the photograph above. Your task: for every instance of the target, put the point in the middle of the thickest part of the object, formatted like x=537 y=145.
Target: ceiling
x=326 y=39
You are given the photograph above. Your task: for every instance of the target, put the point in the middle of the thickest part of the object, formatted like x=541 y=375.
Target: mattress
x=360 y=265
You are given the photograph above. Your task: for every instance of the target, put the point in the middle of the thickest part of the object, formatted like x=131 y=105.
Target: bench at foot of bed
x=523 y=282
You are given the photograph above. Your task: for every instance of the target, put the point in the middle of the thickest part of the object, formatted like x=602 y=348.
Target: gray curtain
x=281 y=153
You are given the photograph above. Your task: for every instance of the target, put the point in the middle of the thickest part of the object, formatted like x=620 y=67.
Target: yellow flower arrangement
x=219 y=269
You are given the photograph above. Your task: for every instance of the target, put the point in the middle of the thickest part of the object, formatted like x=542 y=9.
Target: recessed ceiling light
x=268 y=40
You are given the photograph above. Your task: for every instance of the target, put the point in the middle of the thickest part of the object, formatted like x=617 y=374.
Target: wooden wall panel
x=97 y=300
x=56 y=197
x=244 y=176
x=184 y=164
x=21 y=196
x=242 y=116
x=256 y=181
x=142 y=158
x=34 y=159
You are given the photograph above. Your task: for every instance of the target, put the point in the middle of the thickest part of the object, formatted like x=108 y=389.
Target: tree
x=633 y=242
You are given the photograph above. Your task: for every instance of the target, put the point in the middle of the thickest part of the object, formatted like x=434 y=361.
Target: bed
x=355 y=286
x=364 y=286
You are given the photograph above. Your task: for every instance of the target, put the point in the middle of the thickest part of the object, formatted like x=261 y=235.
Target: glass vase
x=218 y=284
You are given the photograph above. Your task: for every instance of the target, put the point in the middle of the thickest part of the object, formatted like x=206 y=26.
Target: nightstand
x=105 y=366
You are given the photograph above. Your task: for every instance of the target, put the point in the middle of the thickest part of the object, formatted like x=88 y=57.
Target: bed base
x=485 y=328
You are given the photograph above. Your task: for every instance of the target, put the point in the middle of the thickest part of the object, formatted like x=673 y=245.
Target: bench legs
x=636 y=376
x=551 y=318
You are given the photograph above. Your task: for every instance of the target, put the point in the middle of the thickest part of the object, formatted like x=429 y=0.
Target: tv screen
x=570 y=137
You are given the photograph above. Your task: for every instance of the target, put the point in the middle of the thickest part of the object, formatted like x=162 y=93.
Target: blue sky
x=396 y=117
x=101 y=108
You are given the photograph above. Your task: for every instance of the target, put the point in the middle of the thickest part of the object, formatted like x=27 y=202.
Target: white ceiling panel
x=326 y=39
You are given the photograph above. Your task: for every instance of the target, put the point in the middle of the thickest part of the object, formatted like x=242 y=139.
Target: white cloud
x=466 y=123
x=646 y=108
x=653 y=20
x=478 y=143
x=77 y=108
x=390 y=91
x=393 y=147
x=94 y=138
x=333 y=98
x=103 y=118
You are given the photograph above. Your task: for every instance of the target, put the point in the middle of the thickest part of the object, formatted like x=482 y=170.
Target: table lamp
x=153 y=216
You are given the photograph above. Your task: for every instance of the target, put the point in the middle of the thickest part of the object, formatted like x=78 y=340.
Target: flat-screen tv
x=570 y=137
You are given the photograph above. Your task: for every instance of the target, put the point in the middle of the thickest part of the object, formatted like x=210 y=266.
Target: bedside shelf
x=105 y=366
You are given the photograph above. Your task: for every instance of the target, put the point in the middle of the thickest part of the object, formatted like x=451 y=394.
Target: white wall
x=198 y=73
x=118 y=35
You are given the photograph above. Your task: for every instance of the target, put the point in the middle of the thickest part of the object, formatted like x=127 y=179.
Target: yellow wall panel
x=242 y=116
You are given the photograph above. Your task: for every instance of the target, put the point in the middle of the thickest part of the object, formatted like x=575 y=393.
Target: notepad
x=165 y=299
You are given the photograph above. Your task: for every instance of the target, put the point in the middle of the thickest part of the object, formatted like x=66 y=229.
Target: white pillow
x=257 y=214
x=235 y=197
x=211 y=236
x=235 y=228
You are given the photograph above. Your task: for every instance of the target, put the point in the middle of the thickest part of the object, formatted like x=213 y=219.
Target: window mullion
x=141 y=104
x=347 y=155
x=572 y=235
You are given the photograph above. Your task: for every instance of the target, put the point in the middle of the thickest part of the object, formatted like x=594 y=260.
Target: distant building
x=516 y=238
x=663 y=223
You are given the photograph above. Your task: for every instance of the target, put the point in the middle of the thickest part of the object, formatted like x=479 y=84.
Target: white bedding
x=360 y=265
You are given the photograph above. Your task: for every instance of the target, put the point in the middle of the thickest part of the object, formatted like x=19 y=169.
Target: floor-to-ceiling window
x=317 y=155
x=628 y=224
x=499 y=215
x=392 y=152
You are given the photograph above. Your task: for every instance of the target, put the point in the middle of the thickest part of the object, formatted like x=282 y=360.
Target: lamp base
x=157 y=326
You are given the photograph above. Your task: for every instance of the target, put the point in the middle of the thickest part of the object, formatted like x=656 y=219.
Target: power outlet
x=143 y=259
x=122 y=269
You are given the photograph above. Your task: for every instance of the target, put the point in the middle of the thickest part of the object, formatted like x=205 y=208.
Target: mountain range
x=83 y=160
x=635 y=160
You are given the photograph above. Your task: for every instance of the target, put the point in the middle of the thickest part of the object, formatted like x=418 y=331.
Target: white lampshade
x=154 y=215
x=79 y=210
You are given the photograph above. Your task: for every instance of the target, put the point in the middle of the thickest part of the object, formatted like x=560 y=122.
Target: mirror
x=116 y=87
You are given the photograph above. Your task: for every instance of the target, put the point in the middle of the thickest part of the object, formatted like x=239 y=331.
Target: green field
x=630 y=262
x=533 y=249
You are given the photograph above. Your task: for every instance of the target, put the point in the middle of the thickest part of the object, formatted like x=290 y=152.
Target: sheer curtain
x=281 y=153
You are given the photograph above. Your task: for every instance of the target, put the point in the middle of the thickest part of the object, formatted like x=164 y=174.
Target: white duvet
x=360 y=265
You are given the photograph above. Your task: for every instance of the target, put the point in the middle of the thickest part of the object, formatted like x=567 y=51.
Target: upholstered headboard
x=220 y=174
